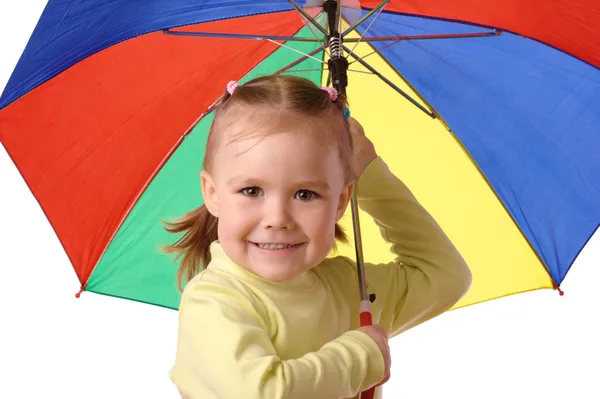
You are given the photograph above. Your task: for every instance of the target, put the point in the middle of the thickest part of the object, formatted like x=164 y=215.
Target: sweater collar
x=221 y=261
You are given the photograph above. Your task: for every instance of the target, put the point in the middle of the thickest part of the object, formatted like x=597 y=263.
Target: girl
x=271 y=316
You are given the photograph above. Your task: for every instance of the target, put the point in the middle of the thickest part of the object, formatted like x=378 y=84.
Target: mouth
x=274 y=246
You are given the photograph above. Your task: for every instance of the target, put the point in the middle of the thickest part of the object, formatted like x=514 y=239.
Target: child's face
x=286 y=188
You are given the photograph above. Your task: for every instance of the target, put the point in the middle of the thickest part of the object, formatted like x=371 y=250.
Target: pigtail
x=340 y=236
x=200 y=230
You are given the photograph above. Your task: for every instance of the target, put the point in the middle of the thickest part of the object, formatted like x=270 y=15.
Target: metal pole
x=338 y=66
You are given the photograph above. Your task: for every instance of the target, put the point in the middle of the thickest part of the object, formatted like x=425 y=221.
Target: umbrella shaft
x=360 y=266
x=338 y=66
x=332 y=8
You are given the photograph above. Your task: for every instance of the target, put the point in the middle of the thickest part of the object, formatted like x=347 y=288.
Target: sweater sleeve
x=428 y=275
x=224 y=351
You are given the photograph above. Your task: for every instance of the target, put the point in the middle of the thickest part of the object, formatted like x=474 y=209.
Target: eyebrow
x=312 y=183
x=250 y=181
x=236 y=180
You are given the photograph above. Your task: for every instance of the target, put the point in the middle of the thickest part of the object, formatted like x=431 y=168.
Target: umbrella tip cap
x=80 y=291
x=557 y=287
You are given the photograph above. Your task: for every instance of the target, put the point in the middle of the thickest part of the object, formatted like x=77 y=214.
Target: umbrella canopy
x=489 y=111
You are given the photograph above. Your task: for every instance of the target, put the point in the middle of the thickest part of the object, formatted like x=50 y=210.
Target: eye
x=306 y=195
x=251 y=191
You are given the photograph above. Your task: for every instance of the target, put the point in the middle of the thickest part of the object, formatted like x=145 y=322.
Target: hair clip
x=231 y=86
x=331 y=91
x=346 y=112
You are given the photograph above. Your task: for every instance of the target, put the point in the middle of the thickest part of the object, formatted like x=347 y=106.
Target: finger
x=356 y=128
x=385 y=334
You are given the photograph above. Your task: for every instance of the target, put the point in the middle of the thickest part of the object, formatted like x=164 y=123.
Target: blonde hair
x=259 y=102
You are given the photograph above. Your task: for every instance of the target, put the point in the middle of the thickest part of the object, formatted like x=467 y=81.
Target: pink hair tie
x=231 y=86
x=332 y=92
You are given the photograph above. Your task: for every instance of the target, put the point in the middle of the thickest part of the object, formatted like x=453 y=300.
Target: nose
x=277 y=215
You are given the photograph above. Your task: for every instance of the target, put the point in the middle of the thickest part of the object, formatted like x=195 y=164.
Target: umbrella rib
x=324 y=41
x=299 y=60
x=414 y=90
x=357 y=71
x=325 y=56
x=368 y=27
x=297 y=51
x=216 y=35
x=377 y=51
x=312 y=21
x=426 y=37
x=422 y=37
x=390 y=83
x=320 y=69
x=365 y=17
x=305 y=15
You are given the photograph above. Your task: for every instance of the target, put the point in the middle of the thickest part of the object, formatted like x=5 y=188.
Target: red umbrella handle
x=366 y=319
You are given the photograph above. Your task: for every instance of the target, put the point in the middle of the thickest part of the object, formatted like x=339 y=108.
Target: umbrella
x=489 y=111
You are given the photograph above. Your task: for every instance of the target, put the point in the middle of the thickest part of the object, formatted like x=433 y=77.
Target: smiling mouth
x=274 y=246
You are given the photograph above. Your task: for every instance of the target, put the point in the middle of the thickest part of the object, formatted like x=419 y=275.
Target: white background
x=535 y=345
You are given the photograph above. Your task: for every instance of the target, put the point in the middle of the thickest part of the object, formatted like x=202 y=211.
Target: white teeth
x=274 y=246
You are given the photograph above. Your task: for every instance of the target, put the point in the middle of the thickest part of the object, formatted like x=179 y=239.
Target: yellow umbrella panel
x=425 y=154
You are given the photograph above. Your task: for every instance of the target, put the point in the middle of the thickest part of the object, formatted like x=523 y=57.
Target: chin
x=279 y=277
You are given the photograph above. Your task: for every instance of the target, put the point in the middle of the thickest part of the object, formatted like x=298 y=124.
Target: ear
x=343 y=201
x=209 y=193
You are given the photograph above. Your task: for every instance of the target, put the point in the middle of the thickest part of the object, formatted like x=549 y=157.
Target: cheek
x=320 y=219
x=237 y=216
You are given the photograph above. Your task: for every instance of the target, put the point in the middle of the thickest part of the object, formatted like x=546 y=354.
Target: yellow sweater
x=243 y=337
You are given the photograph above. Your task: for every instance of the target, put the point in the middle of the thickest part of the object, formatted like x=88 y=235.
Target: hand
x=364 y=150
x=380 y=336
